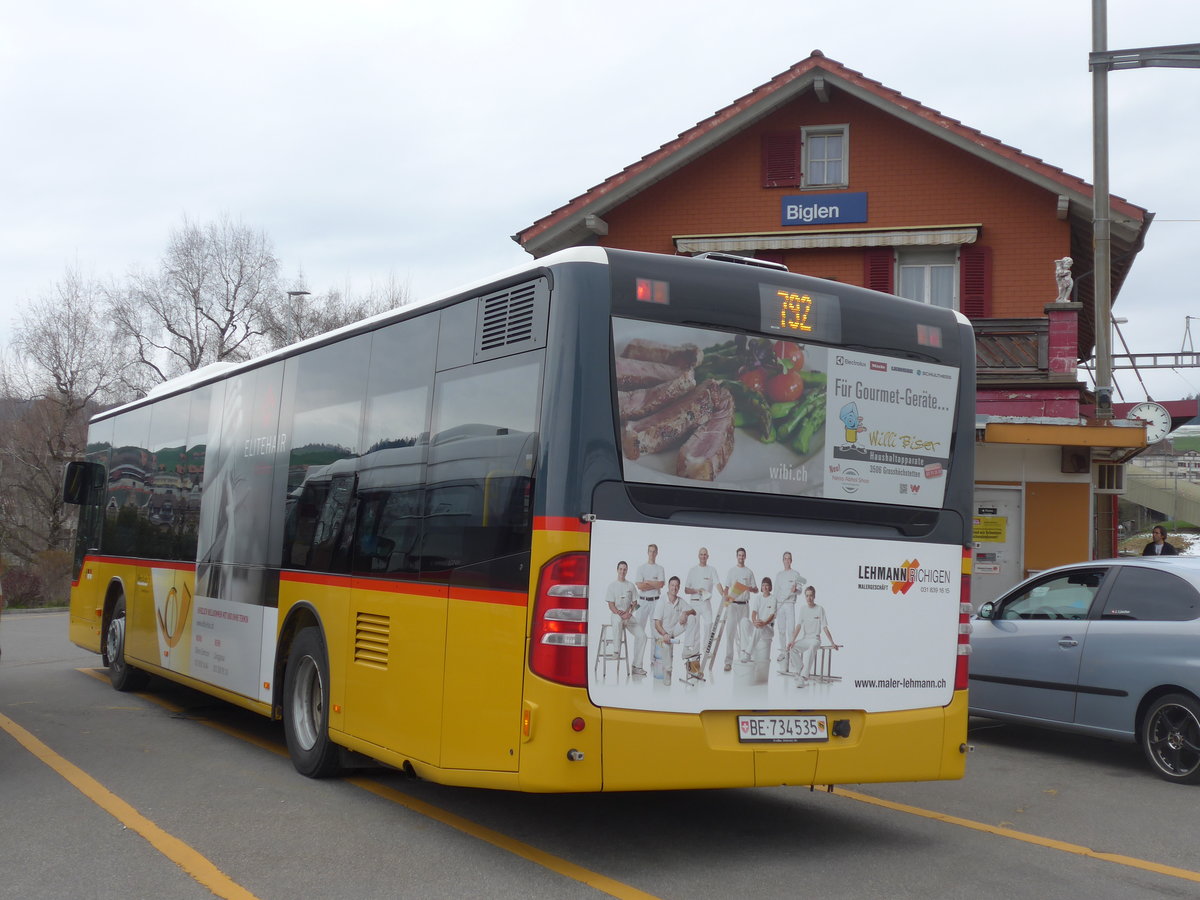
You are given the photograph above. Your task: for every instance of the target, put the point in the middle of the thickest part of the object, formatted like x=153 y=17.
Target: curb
x=40 y=610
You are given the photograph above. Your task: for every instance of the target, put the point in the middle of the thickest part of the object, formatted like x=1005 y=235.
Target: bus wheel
x=123 y=676
x=306 y=707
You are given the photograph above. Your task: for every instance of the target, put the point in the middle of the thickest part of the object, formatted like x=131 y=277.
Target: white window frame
x=815 y=131
x=927 y=259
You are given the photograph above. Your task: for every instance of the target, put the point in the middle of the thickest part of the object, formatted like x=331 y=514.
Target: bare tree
x=205 y=302
x=300 y=315
x=64 y=363
x=214 y=296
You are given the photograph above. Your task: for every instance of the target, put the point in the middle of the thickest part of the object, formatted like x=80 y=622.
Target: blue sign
x=824 y=209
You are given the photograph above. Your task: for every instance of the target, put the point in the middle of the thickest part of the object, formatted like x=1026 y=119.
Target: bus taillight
x=558 y=645
x=964 y=625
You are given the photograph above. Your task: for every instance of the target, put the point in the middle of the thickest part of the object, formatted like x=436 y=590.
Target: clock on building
x=1156 y=417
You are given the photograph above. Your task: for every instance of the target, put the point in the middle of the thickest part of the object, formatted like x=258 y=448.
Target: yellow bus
x=611 y=521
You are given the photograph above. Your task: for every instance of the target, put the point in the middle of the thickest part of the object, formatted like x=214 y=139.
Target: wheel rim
x=116 y=641
x=308 y=703
x=1173 y=740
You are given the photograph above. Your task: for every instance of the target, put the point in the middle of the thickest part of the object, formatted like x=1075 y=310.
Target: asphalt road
x=171 y=794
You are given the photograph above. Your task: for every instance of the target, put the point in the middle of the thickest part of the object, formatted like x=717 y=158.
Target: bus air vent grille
x=512 y=321
x=372 y=634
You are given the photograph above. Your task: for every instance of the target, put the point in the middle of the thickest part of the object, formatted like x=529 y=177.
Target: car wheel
x=123 y=676
x=1171 y=738
x=306 y=707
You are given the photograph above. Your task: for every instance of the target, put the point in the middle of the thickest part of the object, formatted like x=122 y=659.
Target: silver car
x=1109 y=648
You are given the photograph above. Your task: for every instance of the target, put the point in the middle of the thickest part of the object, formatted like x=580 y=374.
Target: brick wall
x=913 y=179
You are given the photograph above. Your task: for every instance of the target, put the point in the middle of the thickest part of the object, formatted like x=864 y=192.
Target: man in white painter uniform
x=807 y=636
x=675 y=622
x=787 y=589
x=622 y=600
x=742 y=584
x=756 y=632
x=649 y=581
x=698 y=589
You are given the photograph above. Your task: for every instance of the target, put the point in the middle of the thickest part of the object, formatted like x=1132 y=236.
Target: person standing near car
x=1159 y=546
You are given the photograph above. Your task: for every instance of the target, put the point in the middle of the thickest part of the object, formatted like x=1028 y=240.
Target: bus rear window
x=704 y=407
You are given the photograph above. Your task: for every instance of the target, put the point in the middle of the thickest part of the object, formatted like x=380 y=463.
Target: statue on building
x=1062 y=274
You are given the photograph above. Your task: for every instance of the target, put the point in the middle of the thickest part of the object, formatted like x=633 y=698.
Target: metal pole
x=1101 y=211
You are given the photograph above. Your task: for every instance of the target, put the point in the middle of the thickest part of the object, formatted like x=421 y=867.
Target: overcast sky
x=377 y=140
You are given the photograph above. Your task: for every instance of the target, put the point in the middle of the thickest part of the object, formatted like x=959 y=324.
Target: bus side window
x=320 y=514
x=388 y=532
x=327 y=532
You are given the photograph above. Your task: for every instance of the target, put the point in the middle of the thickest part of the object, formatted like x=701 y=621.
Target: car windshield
x=1065 y=596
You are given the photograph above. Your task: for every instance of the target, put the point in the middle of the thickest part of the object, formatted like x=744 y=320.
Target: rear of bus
x=741 y=424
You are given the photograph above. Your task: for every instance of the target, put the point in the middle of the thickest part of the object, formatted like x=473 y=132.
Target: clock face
x=1157 y=419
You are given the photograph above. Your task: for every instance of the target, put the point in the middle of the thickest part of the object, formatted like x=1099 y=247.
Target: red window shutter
x=975 y=281
x=781 y=159
x=878 y=267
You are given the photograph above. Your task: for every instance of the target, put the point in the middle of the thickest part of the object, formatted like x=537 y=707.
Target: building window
x=825 y=156
x=928 y=277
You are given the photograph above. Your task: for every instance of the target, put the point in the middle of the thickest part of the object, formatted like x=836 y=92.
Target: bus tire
x=123 y=676
x=306 y=707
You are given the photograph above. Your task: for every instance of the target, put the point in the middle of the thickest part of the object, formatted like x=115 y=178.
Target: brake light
x=558 y=643
x=964 y=624
x=650 y=291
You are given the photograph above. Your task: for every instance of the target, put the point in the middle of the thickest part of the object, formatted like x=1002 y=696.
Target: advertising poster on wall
x=687 y=619
x=735 y=412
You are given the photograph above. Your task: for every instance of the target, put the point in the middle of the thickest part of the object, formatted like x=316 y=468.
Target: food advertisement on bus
x=687 y=619
x=736 y=412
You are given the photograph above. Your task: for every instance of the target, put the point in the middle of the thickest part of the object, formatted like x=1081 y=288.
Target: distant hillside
x=1186 y=442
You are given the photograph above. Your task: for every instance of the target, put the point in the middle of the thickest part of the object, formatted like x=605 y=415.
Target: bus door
x=172 y=603
x=478 y=525
x=396 y=633
x=84 y=484
x=394 y=668
x=140 y=628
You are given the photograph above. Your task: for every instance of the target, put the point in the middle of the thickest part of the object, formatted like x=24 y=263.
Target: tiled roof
x=770 y=95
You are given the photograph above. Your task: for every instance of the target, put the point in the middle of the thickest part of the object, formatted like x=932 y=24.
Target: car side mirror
x=986 y=611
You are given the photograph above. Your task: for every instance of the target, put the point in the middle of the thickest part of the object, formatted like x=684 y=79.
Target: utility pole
x=1101 y=61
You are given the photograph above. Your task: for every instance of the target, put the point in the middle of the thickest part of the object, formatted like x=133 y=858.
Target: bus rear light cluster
x=558 y=644
x=964 y=625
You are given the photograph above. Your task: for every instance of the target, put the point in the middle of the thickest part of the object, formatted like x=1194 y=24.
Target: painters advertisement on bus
x=686 y=619
x=746 y=413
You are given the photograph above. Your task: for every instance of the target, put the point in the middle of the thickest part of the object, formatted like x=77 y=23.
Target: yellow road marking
x=1049 y=843
x=196 y=865
x=617 y=889
x=176 y=708
x=547 y=860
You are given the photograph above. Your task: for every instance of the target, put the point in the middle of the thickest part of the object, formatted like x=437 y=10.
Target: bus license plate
x=781 y=729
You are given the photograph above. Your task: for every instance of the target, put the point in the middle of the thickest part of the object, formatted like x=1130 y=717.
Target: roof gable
x=574 y=222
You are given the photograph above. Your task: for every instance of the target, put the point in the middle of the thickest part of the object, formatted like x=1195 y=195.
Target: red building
x=836 y=175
